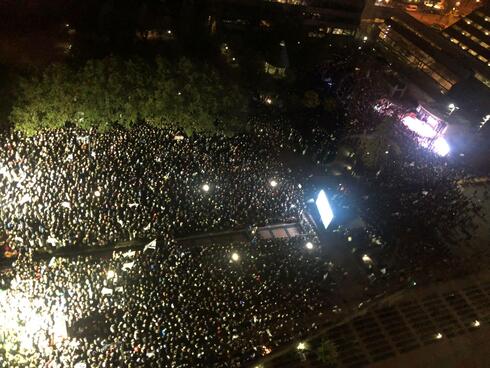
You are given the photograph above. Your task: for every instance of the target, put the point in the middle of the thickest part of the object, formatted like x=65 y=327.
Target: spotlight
x=309 y=245
x=205 y=187
x=273 y=183
x=235 y=257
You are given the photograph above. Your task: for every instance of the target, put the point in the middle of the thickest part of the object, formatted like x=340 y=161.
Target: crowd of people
x=210 y=306
x=203 y=306
x=76 y=188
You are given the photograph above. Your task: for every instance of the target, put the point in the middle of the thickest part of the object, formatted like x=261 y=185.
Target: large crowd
x=72 y=188
x=218 y=305
x=203 y=306
x=211 y=306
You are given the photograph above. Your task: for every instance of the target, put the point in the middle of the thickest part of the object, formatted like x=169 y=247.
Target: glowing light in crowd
x=452 y=107
x=97 y=193
x=205 y=187
x=366 y=259
x=21 y=319
x=475 y=323
x=349 y=238
x=441 y=147
x=309 y=245
x=235 y=257
x=438 y=336
x=266 y=350
x=111 y=274
x=326 y=213
x=268 y=101
x=301 y=346
x=273 y=183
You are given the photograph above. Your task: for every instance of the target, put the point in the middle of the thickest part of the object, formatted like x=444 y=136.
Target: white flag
x=26 y=198
x=128 y=265
x=106 y=291
x=66 y=205
x=151 y=245
x=129 y=254
x=52 y=241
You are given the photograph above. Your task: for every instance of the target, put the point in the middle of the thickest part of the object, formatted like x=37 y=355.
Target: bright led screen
x=323 y=206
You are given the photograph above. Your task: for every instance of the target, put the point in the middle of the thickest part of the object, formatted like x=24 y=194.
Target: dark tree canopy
x=103 y=93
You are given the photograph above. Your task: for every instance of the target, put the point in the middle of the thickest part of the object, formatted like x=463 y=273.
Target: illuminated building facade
x=422 y=52
x=446 y=68
x=317 y=18
x=472 y=35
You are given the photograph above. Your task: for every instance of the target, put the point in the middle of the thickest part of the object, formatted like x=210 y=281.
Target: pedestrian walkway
x=399 y=325
x=276 y=231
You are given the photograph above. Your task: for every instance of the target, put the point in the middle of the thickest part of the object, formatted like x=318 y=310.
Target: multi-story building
x=317 y=18
x=450 y=68
x=472 y=35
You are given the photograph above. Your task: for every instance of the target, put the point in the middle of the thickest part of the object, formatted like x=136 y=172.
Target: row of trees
x=108 y=92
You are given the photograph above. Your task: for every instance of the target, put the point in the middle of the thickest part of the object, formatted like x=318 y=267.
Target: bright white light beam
x=441 y=147
x=326 y=213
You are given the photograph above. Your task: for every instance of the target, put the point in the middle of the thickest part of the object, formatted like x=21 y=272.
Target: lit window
x=483 y=59
x=472 y=52
x=484 y=44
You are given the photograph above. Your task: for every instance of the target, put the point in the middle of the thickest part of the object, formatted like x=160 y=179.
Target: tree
x=311 y=99
x=330 y=104
x=103 y=93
